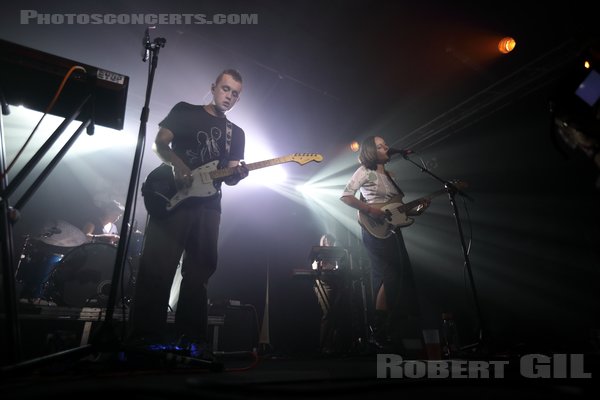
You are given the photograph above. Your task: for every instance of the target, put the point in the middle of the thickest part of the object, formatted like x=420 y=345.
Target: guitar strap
x=229 y=132
x=400 y=192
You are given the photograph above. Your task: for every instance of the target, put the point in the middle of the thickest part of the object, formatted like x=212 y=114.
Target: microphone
x=146 y=45
x=402 y=152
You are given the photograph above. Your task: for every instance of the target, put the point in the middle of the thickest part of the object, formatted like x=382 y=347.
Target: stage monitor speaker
x=240 y=329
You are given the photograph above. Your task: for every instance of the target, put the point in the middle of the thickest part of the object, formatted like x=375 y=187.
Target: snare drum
x=83 y=278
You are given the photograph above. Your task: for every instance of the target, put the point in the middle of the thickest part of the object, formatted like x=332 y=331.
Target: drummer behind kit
x=61 y=266
x=104 y=229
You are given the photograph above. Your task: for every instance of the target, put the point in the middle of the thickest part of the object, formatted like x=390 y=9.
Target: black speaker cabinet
x=240 y=330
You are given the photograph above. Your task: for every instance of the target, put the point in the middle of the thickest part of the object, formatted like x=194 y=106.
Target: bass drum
x=83 y=277
x=35 y=268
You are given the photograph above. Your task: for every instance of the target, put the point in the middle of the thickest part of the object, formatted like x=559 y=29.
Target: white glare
x=268 y=175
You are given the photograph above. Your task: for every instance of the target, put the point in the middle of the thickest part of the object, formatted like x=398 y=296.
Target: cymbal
x=61 y=233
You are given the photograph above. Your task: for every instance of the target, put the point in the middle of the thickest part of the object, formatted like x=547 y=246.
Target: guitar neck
x=412 y=204
x=222 y=173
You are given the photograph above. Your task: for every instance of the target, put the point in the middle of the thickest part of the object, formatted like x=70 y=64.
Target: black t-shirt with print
x=200 y=138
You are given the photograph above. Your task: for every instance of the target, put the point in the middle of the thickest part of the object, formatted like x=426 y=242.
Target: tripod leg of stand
x=30 y=365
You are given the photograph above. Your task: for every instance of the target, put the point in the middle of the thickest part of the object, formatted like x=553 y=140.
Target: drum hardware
x=83 y=278
x=23 y=258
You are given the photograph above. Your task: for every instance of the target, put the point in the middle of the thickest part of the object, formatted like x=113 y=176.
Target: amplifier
x=240 y=329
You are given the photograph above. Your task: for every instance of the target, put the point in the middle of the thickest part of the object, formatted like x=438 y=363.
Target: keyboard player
x=331 y=287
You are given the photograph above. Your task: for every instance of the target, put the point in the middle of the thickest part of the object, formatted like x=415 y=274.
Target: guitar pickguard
x=202 y=185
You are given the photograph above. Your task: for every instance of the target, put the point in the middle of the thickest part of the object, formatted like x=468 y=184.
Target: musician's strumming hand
x=182 y=174
x=376 y=213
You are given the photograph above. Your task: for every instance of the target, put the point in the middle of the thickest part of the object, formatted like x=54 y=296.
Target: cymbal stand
x=452 y=190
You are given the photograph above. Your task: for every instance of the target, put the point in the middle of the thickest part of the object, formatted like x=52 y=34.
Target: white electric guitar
x=161 y=194
x=396 y=213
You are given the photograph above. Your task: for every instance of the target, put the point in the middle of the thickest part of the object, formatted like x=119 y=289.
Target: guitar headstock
x=303 y=158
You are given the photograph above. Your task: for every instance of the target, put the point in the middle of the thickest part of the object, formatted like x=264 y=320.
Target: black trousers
x=190 y=234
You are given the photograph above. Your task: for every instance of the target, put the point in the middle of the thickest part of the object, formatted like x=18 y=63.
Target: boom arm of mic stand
x=451 y=188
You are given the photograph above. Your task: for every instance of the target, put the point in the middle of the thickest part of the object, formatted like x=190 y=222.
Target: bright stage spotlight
x=306 y=189
x=260 y=151
x=21 y=122
x=506 y=45
x=267 y=176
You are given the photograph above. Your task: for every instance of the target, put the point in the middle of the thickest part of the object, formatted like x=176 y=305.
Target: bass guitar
x=161 y=194
x=396 y=213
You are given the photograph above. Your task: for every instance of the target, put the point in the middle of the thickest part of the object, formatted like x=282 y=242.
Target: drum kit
x=61 y=266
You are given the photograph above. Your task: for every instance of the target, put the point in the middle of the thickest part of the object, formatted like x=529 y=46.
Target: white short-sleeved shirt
x=375 y=187
x=110 y=228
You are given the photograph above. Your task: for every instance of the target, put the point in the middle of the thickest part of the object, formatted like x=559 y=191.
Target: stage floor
x=59 y=361
x=271 y=376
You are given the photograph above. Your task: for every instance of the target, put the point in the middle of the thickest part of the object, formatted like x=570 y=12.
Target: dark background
x=318 y=75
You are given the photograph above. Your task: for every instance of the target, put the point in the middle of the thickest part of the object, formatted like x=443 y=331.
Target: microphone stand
x=106 y=336
x=452 y=191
